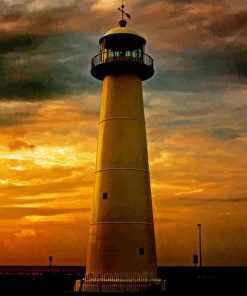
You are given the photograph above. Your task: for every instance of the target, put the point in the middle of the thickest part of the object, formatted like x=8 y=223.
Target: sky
x=196 y=118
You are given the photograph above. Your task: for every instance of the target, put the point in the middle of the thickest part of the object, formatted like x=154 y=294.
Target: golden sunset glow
x=195 y=108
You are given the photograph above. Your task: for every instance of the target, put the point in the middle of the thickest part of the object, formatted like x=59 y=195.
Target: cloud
x=12 y=8
x=19 y=144
x=229 y=24
x=36 y=65
x=184 y=1
x=24 y=201
x=13 y=115
x=44 y=67
x=184 y=122
x=218 y=69
x=234 y=200
x=43 y=17
x=226 y=133
x=26 y=233
x=18 y=213
x=19 y=43
x=173 y=106
x=51 y=183
x=46 y=5
x=10 y=119
x=205 y=201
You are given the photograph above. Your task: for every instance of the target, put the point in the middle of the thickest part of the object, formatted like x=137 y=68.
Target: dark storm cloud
x=205 y=71
x=222 y=62
x=41 y=67
x=19 y=43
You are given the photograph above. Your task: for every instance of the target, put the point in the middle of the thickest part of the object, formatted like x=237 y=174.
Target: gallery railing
x=120 y=56
x=121 y=283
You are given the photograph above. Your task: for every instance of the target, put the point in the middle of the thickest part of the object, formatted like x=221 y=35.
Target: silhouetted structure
x=200 y=243
x=195 y=259
x=37 y=280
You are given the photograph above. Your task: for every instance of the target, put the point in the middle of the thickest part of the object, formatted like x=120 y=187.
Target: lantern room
x=122 y=51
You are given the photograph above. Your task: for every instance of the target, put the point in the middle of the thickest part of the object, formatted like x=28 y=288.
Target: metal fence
x=119 y=56
x=121 y=283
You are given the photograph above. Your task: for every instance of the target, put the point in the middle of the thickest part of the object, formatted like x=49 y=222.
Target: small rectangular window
x=141 y=251
x=105 y=195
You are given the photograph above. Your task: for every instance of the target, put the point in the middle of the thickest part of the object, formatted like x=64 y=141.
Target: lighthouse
x=121 y=255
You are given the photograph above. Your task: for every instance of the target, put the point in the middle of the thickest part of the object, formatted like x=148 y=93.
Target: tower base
x=120 y=283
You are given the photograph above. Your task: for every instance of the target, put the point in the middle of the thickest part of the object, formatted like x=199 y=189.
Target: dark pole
x=195 y=259
x=50 y=260
x=200 y=244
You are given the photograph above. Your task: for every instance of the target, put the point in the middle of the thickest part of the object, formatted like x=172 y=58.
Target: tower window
x=141 y=251
x=105 y=195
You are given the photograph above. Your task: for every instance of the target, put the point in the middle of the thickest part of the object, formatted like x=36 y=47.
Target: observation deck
x=122 y=51
x=117 y=62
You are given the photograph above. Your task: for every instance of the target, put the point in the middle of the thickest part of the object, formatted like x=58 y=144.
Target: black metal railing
x=120 y=283
x=109 y=56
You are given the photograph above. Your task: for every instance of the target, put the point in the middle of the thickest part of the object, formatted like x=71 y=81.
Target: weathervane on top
x=123 y=22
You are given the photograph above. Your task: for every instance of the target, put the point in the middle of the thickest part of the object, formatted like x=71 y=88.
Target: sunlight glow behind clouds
x=40 y=5
x=105 y=4
x=63 y=218
x=48 y=156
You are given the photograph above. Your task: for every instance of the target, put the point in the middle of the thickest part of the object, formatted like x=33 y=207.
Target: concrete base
x=120 y=283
